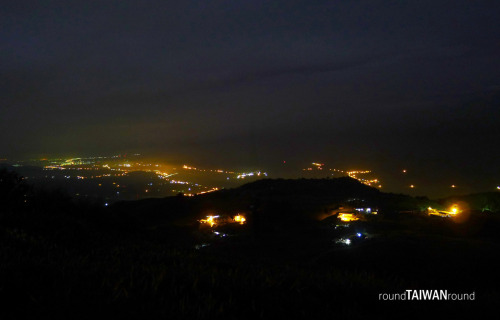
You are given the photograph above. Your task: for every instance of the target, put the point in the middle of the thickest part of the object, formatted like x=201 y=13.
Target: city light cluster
x=251 y=174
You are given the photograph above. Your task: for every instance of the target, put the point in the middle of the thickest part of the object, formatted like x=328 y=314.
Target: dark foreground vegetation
x=152 y=259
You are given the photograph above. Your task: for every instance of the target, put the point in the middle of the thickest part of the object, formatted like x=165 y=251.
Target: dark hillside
x=60 y=258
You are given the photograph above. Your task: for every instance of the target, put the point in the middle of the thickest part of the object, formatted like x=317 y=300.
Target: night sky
x=381 y=85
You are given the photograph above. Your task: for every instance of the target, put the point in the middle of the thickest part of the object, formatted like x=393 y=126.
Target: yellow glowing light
x=209 y=220
x=454 y=209
x=239 y=218
x=412 y=186
x=347 y=217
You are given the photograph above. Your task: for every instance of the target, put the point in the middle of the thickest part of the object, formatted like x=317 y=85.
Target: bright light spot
x=454 y=210
x=209 y=220
x=347 y=217
x=239 y=218
x=412 y=186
